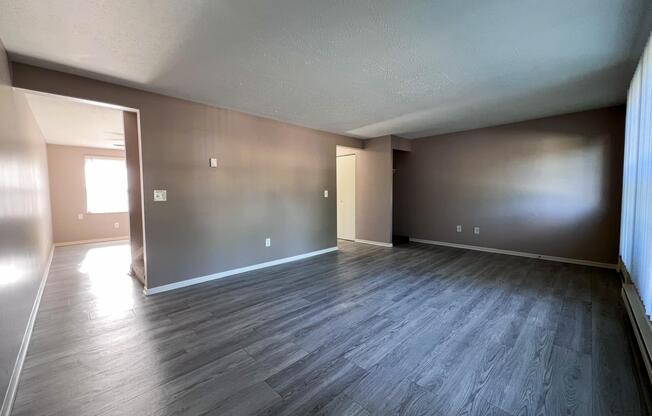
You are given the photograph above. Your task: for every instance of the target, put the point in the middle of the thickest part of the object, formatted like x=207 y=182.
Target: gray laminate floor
x=415 y=330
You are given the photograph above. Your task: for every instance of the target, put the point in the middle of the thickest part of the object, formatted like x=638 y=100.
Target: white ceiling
x=73 y=123
x=359 y=67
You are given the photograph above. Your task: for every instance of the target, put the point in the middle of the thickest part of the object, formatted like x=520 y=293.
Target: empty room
x=301 y=207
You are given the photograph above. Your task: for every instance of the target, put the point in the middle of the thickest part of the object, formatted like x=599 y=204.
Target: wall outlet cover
x=160 y=195
x=116 y=225
x=458 y=228
x=212 y=162
x=80 y=216
x=476 y=230
x=325 y=194
x=268 y=242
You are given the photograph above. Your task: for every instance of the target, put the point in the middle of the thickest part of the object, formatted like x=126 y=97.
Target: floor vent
x=640 y=324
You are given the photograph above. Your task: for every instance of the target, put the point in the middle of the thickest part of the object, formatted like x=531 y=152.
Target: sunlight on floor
x=107 y=269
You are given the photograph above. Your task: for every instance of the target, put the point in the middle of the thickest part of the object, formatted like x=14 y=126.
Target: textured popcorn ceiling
x=363 y=68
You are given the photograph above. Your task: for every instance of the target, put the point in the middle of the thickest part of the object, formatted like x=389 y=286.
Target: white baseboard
x=94 y=240
x=640 y=324
x=375 y=243
x=10 y=394
x=518 y=253
x=202 y=279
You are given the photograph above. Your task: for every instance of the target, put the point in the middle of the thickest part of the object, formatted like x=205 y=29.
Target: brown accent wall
x=550 y=186
x=25 y=229
x=68 y=197
x=373 y=187
x=269 y=183
x=374 y=220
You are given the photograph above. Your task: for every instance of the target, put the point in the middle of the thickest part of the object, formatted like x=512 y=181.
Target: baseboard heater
x=640 y=324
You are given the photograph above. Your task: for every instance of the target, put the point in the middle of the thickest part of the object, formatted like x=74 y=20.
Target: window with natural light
x=636 y=220
x=106 y=185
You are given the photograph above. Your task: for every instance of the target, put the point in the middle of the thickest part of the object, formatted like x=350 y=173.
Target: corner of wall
x=5 y=67
x=400 y=143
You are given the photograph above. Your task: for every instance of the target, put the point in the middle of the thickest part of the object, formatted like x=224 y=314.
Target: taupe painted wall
x=5 y=67
x=550 y=186
x=68 y=197
x=399 y=143
x=373 y=186
x=25 y=229
x=269 y=183
x=135 y=197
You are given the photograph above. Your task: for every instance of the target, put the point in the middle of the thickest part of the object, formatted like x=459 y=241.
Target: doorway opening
x=94 y=174
x=400 y=234
x=346 y=194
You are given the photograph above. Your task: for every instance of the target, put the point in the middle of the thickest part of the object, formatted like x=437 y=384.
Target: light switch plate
x=160 y=195
x=116 y=225
x=326 y=194
x=268 y=242
x=476 y=230
x=212 y=162
x=80 y=216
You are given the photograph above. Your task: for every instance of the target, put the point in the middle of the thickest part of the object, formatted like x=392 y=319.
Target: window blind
x=636 y=217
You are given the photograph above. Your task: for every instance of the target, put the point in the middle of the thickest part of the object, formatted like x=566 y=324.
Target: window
x=106 y=184
x=636 y=222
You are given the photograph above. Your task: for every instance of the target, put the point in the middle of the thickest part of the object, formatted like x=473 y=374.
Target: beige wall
x=5 y=68
x=550 y=186
x=373 y=188
x=68 y=197
x=135 y=198
x=25 y=229
x=269 y=183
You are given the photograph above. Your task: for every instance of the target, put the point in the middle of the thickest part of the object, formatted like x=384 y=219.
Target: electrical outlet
x=80 y=216
x=458 y=228
x=212 y=162
x=476 y=230
x=116 y=225
x=326 y=194
x=268 y=242
x=160 y=195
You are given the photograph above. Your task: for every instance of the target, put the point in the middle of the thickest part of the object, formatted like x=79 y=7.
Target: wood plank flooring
x=410 y=330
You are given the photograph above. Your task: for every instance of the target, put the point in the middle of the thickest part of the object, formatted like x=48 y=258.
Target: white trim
x=10 y=394
x=95 y=240
x=517 y=253
x=207 y=278
x=641 y=325
x=375 y=243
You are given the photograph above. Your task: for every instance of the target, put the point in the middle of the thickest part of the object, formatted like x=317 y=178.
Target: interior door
x=346 y=197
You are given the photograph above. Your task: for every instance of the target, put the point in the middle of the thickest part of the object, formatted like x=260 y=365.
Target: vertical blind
x=636 y=221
